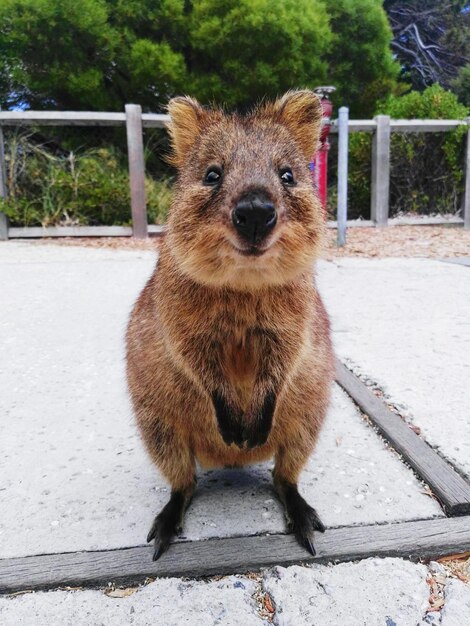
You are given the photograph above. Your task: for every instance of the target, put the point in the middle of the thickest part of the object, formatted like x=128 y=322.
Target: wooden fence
x=382 y=126
x=134 y=120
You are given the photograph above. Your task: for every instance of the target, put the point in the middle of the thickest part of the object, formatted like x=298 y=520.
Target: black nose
x=254 y=216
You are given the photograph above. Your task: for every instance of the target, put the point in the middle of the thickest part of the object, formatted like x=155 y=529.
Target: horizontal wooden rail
x=367 y=126
x=77 y=118
x=159 y=120
x=61 y=118
x=425 y=126
x=154 y=120
x=403 y=126
x=36 y=232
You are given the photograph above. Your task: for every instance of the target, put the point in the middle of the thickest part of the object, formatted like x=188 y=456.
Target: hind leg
x=173 y=456
x=170 y=519
x=302 y=518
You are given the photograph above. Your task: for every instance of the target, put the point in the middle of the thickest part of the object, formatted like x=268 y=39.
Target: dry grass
x=396 y=241
x=457 y=566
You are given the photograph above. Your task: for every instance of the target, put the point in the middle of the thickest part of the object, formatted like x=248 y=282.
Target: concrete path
x=374 y=592
x=75 y=475
x=405 y=324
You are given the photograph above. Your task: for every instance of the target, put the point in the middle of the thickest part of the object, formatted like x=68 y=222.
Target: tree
x=360 y=60
x=240 y=51
x=430 y=38
x=100 y=54
x=89 y=54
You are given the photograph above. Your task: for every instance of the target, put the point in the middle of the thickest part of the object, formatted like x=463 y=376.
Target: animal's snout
x=254 y=216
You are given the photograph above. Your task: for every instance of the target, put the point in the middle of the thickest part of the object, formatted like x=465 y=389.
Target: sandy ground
x=396 y=241
x=401 y=241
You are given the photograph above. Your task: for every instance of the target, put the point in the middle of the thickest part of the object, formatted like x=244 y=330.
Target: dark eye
x=286 y=176
x=213 y=176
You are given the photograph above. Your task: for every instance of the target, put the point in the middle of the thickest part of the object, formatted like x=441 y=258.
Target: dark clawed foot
x=162 y=531
x=167 y=524
x=304 y=520
x=303 y=525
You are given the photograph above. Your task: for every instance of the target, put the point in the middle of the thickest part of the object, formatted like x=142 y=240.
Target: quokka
x=229 y=357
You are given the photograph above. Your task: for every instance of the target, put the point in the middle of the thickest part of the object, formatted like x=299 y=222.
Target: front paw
x=228 y=421
x=302 y=518
x=167 y=524
x=258 y=422
x=303 y=521
x=232 y=434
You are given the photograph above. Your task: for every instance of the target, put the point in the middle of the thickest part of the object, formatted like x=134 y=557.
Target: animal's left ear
x=301 y=112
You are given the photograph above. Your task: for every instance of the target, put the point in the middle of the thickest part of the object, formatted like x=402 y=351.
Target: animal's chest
x=240 y=356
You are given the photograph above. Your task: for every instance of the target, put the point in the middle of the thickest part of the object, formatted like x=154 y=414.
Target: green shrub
x=426 y=168
x=461 y=85
x=89 y=187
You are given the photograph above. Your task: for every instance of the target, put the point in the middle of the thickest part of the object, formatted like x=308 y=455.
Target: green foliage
x=461 y=85
x=91 y=187
x=89 y=54
x=426 y=168
x=245 y=50
x=53 y=51
x=100 y=54
x=360 y=61
x=359 y=171
x=433 y=103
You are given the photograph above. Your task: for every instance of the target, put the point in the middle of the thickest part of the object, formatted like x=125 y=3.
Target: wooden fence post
x=3 y=188
x=135 y=150
x=342 y=210
x=380 y=187
x=466 y=200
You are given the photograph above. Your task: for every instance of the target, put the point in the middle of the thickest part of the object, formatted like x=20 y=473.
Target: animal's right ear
x=186 y=121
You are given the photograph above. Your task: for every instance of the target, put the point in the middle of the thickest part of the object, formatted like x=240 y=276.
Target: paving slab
x=456 y=610
x=404 y=323
x=75 y=474
x=373 y=592
x=166 y=602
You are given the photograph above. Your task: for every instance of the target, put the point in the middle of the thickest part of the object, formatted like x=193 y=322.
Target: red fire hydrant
x=319 y=165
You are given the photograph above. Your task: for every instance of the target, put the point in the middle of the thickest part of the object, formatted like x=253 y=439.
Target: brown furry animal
x=228 y=346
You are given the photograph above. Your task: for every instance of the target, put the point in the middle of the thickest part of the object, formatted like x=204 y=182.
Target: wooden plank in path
x=447 y=485
x=422 y=539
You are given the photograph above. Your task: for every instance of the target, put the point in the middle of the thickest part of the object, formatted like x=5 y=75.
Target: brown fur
x=212 y=319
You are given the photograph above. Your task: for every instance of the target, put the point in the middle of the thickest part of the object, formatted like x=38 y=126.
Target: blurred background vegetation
x=407 y=59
